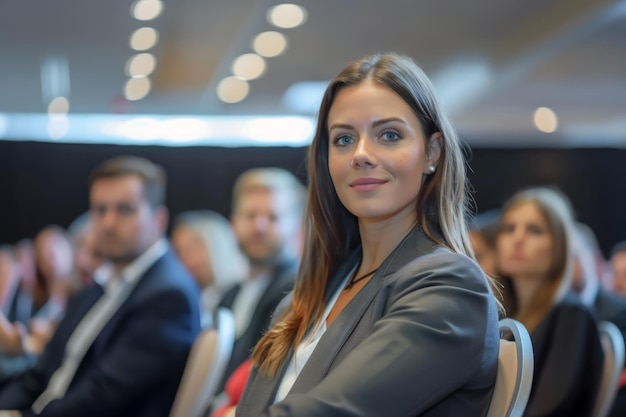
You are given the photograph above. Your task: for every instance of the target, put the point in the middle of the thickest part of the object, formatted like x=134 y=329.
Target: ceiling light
x=545 y=120
x=59 y=105
x=144 y=38
x=269 y=44
x=146 y=9
x=137 y=88
x=287 y=15
x=140 y=65
x=249 y=66
x=232 y=89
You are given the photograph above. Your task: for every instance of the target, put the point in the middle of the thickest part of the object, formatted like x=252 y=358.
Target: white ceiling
x=494 y=61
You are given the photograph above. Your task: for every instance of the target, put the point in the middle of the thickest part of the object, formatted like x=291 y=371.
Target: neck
x=379 y=239
x=525 y=289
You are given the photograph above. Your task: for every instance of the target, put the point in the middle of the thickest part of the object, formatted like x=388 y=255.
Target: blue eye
x=343 y=140
x=390 y=136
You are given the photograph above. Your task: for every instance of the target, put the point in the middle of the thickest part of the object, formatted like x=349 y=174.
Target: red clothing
x=235 y=386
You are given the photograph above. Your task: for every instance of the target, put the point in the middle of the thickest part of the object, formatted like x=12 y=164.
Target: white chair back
x=613 y=347
x=515 y=372
x=207 y=361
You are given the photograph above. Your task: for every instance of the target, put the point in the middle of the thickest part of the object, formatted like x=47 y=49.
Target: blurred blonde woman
x=207 y=246
x=534 y=258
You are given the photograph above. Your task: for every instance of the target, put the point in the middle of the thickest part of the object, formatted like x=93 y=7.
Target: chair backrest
x=207 y=361
x=515 y=372
x=613 y=347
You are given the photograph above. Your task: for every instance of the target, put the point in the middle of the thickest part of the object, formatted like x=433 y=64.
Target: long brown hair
x=556 y=210
x=331 y=231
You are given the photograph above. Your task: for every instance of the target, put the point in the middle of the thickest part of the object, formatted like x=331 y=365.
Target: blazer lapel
x=329 y=345
x=264 y=389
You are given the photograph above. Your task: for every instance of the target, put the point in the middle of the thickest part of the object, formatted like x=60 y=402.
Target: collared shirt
x=305 y=349
x=246 y=301
x=116 y=291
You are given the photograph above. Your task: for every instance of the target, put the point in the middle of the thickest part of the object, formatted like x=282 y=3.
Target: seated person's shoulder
x=445 y=267
x=569 y=308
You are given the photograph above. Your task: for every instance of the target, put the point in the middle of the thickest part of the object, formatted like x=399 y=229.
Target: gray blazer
x=420 y=339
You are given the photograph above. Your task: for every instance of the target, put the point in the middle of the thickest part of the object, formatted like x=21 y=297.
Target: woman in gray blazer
x=390 y=316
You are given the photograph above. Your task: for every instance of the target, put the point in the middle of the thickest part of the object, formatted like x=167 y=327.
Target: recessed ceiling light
x=545 y=120
x=140 y=65
x=270 y=44
x=249 y=66
x=287 y=15
x=59 y=105
x=144 y=38
x=137 y=88
x=232 y=89
x=146 y=9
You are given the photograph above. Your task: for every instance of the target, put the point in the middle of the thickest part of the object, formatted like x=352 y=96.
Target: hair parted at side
x=556 y=209
x=331 y=231
x=153 y=176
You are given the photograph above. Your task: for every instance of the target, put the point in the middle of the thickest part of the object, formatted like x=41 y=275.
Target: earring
x=431 y=169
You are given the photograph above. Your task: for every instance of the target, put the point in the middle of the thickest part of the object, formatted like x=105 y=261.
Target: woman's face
x=194 y=254
x=525 y=245
x=376 y=152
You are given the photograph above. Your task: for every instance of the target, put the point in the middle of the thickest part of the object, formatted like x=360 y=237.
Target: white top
x=246 y=302
x=306 y=347
x=116 y=290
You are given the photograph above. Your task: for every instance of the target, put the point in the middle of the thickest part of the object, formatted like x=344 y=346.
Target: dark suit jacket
x=568 y=362
x=420 y=339
x=134 y=365
x=281 y=283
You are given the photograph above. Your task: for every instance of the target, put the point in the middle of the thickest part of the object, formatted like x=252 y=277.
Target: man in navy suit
x=121 y=348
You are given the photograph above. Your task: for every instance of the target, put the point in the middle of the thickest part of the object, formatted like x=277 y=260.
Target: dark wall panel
x=44 y=183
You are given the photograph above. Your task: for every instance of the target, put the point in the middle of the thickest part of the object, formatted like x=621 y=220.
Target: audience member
x=266 y=216
x=22 y=340
x=534 y=259
x=206 y=245
x=389 y=316
x=121 y=347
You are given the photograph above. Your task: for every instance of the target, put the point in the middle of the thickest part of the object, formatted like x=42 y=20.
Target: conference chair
x=613 y=347
x=515 y=371
x=207 y=361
